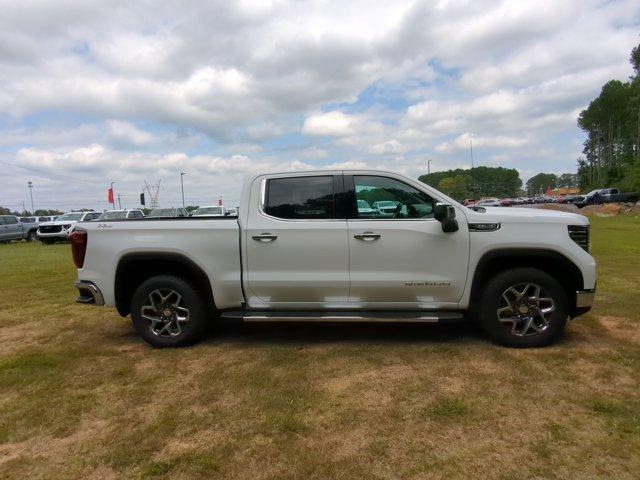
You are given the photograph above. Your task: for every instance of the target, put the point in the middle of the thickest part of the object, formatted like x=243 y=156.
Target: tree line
x=612 y=124
x=475 y=182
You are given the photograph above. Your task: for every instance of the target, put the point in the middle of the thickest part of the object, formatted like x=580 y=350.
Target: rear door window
x=297 y=198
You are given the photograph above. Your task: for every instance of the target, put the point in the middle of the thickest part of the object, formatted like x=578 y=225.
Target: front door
x=10 y=229
x=400 y=257
x=296 y=246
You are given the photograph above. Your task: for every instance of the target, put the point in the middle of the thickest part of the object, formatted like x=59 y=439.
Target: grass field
x=82 y=397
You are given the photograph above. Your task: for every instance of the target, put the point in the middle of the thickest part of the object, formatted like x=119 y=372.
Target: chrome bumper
x=584 y=298
x=89 y=293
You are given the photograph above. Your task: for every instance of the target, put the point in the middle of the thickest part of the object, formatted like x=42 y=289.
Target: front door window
x=388 y=198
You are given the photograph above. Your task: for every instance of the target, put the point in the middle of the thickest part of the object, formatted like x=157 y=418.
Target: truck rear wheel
x=168 y=311
x=524 y=307
x=32 y=236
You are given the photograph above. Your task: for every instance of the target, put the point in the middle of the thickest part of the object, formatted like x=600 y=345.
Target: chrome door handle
x=367 y=236
x=265 y=237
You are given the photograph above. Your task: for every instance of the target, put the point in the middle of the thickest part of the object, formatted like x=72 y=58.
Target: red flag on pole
x=549 y=192
x=110 y=195
x=220 y=201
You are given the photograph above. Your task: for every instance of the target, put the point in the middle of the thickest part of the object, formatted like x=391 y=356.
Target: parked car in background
x=30 y=228
x=609 y=195
x=121 y=214
x=506 y=202
x=300 y=252
x=10 y=228
x=385 y=208
x=469 y=202
x=489 y=202
x=167 y=213
x=365 y=209
x=63 y=226
x=210 y=211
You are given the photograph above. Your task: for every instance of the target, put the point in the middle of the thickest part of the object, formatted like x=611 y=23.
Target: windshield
x=70 y=216
x=208 y=211
x=162 y=212
x=113 y=215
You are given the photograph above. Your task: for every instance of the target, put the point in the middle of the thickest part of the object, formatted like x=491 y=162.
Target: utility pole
x=30 y=185
x=182 y=174
x=473 y=182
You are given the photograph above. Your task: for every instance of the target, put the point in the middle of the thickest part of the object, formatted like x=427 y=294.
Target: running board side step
x=369 y=316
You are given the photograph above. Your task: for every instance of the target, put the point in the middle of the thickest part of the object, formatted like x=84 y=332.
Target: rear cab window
x=299 y=198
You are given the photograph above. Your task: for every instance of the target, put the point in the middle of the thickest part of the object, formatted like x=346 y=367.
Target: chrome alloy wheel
x=523 y=306
x=166 y=312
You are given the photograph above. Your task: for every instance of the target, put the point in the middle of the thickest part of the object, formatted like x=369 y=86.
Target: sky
x=94 y=92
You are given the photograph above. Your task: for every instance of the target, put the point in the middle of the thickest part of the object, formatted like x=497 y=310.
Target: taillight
x=78 y=247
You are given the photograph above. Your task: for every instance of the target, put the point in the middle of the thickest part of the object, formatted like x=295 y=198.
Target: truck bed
x=211 y=243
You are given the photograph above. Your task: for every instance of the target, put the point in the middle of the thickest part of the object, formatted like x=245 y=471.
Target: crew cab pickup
x=608 y=195
x=301 y=250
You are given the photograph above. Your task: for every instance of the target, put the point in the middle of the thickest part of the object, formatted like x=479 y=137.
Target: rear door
x=296 y=243
x=403 y=259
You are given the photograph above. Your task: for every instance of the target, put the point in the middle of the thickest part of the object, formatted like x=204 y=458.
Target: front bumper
x=584 y=301
x=89 y=293
x=64 y=234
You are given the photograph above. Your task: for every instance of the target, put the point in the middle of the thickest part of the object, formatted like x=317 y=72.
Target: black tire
x=190 y=331
x=32 y=236
x=537 y=335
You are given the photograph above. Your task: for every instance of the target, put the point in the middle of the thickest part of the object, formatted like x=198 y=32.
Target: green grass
x=81 y=396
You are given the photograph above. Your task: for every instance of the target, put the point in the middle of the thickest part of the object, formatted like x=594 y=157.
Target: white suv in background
x=63 y=226
x=121 y=214
x=210 y=211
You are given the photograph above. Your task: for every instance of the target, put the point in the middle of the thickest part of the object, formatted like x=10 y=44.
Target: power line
x=50 y=174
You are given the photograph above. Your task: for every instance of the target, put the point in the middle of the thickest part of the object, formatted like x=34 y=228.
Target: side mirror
x=446 y=215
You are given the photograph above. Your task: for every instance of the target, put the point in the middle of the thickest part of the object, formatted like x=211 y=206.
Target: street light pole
x=30 y=184
x=473 y=182
x=182 y=174
x=428 y=166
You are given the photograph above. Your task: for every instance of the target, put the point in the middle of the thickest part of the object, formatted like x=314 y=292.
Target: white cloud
x=466 y=141
x=390 y=146
x=125 y=133
x=240 y=86
x=333 y=123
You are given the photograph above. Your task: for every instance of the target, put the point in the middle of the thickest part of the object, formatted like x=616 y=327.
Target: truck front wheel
x=168 y=311
x=524 y=307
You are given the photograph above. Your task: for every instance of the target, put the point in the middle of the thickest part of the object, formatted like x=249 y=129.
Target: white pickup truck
x=301 y=250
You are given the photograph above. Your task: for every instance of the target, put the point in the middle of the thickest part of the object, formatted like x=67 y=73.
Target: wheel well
x=553 y=263
x=133 y=269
